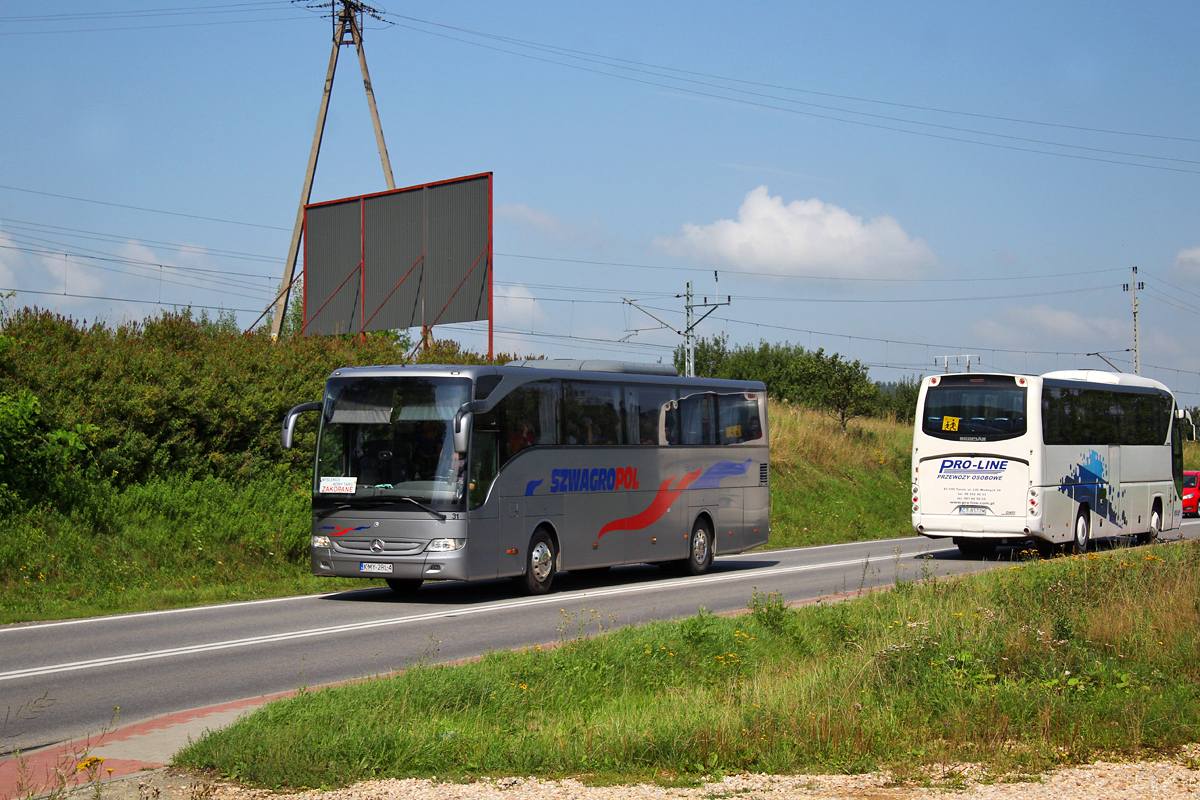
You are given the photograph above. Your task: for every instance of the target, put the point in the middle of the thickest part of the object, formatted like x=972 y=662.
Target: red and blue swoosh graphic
x=339 y=531
x=663 y=499
x=665 y=496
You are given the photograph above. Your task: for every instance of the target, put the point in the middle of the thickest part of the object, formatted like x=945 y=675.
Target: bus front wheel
x=700 y=552
x=540 y=559
x=1083 y=532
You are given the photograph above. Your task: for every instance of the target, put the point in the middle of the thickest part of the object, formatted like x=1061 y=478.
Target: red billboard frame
x=484 y=257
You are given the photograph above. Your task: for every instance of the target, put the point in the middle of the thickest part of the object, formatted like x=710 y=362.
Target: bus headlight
x=320 y=541
x=444 y=545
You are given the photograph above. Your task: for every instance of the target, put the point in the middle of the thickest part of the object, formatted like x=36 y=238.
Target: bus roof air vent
x=597 y=366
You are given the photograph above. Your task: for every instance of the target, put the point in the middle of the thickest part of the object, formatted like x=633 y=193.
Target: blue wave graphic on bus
x=712 y=477
x=1088 y=482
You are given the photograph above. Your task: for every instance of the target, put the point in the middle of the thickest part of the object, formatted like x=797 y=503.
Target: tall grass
x=180 y=540
x=1041 y=664
x=167 y=543
x=829 y=486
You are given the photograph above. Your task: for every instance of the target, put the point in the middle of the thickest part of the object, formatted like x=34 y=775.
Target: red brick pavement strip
x=50 y=767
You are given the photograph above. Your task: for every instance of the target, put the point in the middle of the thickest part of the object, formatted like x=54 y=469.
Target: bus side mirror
x=462 y=424
x=289 y=422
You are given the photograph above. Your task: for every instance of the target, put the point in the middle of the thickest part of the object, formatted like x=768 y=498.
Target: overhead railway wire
x=736 y=272
x=155 y=278
x=814 y=114
x=164 y=304
x=50 y=247
x=36 y=247
x=78 y=233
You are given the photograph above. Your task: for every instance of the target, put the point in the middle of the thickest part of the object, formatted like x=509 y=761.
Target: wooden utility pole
x=347 y=30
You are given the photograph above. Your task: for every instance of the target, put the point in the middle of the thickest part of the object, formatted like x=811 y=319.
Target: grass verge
x=1020 y=669
x=179 y=542
x=170 y=544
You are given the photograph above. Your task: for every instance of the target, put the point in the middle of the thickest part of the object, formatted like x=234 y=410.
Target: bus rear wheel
x=1083 y=532
x=540 y=560
x=1155 y=528
x=404 y=585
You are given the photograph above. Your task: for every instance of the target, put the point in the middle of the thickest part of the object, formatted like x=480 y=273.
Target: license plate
x=367 y=566
x=972 y=509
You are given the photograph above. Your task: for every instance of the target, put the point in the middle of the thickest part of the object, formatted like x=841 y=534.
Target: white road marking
x=756 y=574
x=142 y=614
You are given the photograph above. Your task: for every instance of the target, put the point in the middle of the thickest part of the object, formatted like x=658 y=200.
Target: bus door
x=519 y=518
x=514 y=537
x=1110 y=506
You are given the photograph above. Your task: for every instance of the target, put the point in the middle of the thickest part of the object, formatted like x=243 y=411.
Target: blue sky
x=894 y=182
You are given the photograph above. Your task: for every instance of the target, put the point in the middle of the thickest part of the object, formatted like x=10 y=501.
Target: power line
x=160 y=279
x=126 y=300
x=143 y=208
x=814 y=114
x=48 y=247
x=814 y=277
x=78 y=233
x=575 y=53
x=159 y=12
x=608 y=63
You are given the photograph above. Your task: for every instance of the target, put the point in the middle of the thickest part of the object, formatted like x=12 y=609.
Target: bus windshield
x=388 y=440
x=974 y=409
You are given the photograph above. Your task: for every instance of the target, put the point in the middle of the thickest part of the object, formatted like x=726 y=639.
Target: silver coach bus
x=478 y=472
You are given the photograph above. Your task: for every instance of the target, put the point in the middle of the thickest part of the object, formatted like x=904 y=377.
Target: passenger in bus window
x=755 y=429
x=519 y=437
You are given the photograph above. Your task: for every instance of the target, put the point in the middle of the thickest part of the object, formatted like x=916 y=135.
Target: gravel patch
x=1169 y=779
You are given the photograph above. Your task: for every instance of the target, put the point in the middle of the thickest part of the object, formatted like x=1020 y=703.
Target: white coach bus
x=477 y=472
x=1057 y=459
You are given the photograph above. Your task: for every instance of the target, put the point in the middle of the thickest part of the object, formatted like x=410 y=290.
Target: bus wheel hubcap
x=541 y=561
x=699 y=545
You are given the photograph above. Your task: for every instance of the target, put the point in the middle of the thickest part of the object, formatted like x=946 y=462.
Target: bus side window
x=699 y=417
x=646 y=407
x=593 y=414
x=738 y=418
x=528 y=415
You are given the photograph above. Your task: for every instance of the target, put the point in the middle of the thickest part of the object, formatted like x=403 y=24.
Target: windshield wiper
x=386 y=501
x=424 y=507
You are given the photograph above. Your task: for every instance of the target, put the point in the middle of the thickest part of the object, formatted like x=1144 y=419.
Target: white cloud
x=539 y=220
x=1044 y=328
x=516 y=307
x=803 y=237
x=60 y=274
x=1187 y=263
x=10 y=261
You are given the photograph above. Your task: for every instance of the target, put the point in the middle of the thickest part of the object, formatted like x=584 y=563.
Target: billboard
x=418 y=256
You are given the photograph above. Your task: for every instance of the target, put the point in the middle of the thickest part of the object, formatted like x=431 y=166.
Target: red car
x=1191 y=493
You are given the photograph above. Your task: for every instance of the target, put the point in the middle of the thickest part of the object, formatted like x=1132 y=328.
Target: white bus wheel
x=1083 y=532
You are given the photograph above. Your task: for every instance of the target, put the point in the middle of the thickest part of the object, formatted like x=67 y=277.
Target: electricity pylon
x=348 y=16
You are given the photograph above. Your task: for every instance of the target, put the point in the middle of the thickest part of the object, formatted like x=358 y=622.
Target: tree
x=845 y=391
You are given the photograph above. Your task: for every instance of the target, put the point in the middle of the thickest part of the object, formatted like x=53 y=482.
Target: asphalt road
x=157 y=663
